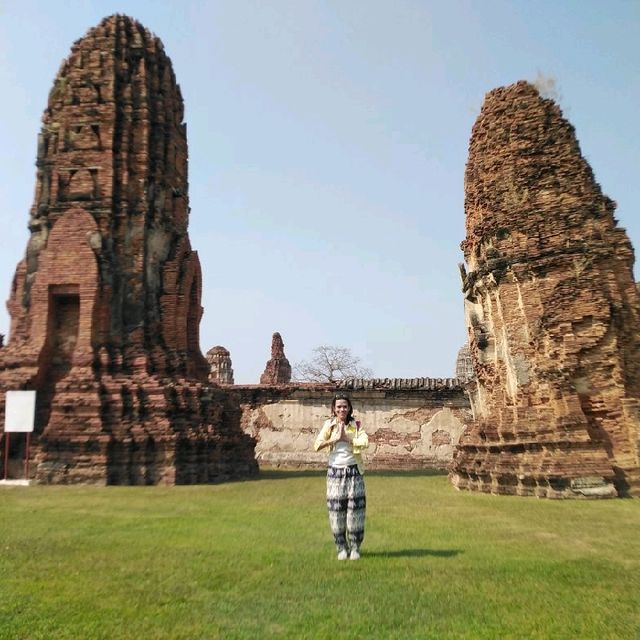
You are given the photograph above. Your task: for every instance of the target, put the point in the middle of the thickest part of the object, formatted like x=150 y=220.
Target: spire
x=278 y=369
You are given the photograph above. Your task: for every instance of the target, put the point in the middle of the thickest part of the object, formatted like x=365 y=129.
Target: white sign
x=20 y=411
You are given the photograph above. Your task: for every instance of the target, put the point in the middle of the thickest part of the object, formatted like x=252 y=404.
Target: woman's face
x=342 y=409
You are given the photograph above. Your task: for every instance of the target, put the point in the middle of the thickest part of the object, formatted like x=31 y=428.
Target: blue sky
x=327 y=148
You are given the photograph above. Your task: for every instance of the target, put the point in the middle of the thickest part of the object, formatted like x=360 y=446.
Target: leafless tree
x=330 y=364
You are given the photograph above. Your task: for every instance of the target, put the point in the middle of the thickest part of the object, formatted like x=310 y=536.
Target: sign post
x=19 y=417
x=7 y=436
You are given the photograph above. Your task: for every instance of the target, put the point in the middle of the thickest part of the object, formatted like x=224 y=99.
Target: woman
x=346 y=500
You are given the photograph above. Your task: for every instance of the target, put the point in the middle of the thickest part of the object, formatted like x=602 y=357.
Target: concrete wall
x=408 y=428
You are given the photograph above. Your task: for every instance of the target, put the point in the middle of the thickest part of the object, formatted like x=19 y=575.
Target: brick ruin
x=552 y=312
x=220 y=365
x=105 y=306
x=277 y=369
x=412 y=423
x=105 y=309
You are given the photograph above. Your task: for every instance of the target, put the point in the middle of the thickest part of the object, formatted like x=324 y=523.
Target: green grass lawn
x=255 y=560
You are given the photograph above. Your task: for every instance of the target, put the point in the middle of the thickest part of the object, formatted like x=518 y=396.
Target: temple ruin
x=220 y=365
x=277 y=369
x=552 y=312
x=105 y=306
x=412 y=423
x=464 y=364
x=105 y=310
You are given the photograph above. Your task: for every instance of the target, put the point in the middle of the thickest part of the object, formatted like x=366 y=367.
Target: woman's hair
x=342 y=396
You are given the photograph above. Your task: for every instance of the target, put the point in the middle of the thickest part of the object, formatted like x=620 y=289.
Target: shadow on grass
x=281 y=474
x=408 y=473
x=286 y=474
x=413 y=553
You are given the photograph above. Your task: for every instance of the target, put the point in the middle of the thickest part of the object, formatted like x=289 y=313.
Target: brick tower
x=220 y=365
x=105 y=306
x=277 y=370
x=552 y=312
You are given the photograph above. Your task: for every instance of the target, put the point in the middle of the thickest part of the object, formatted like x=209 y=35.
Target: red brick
x=105 y=308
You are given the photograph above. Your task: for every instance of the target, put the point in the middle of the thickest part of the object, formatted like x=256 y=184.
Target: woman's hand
x=342 y=433
x=338 y=434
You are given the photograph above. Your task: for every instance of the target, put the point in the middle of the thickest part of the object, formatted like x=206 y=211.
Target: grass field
x=255 y=560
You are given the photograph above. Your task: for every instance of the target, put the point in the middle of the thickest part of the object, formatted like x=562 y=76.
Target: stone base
x=589 y=487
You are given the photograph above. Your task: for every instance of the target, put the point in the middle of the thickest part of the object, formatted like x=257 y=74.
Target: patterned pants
x=347 y=504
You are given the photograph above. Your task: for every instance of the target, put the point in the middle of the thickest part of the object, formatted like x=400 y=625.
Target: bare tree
x=330 y=364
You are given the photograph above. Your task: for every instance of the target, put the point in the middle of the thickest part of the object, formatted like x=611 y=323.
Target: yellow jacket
x=359 y=443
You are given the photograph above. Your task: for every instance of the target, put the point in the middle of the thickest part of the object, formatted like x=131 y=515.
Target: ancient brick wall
x=412 y=424
x=552 y=312
x=105 y=307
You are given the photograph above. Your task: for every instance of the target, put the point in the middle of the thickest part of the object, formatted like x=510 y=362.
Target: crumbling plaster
x=407 y=430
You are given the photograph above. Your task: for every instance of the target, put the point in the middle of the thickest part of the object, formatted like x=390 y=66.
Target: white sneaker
x=355 y=555
x=342 y=554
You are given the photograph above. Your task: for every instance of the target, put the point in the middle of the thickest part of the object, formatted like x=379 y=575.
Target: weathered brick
x=105 y=308
x=277 y=369
x=552 y=312
x=221 y=370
